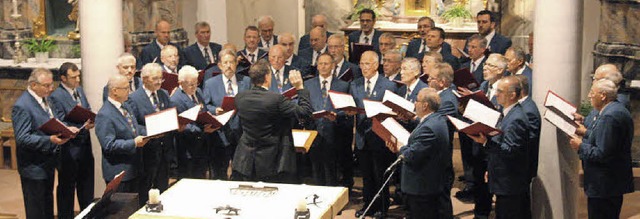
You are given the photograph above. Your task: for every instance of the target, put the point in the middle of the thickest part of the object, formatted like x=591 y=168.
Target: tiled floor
x=11 y=199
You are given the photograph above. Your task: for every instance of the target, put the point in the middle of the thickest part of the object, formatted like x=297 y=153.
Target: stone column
x=217 y=20
x=558 y=37
x=101 y=44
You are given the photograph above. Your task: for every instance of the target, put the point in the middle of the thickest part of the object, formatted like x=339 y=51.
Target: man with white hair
x=160 y=151
x=126 y=67
x=318 y=20
x=335 y=45
x=286 y=40
x=606 y=152
x=191 y=144
x=170 y=59
x=267 y=38
x=409 y=75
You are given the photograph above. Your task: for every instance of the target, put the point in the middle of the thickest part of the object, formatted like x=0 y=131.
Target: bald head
x=162 y=31
x=319 y=20
x=318 y=38
x=610 y=72
x=276 y=56
x=287 y=41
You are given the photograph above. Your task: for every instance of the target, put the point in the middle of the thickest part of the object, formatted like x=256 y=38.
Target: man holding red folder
x=75 y=170
x=37 y=152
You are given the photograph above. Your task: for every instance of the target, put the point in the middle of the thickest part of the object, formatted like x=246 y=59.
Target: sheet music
x=462 y=52
x=401 y=134
x=161 y=122
x=398 y=100
x=557 y=121
x=555 y=101
x=225 y=117
x=341 y=100
x=373 y=108
x=191 y=114
x=478 y=112
x=300 y=138
x=459 y=124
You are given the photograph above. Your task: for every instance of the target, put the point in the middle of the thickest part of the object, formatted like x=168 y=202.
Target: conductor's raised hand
x=295 y=78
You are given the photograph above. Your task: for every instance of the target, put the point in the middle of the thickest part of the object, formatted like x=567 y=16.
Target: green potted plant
x=40 y=48
x=456 y=15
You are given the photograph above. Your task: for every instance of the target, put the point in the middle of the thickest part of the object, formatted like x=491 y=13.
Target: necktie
x=408 y=93
x=229 y=88
x=154 y=101
x=195 y=99
x=129 y=120
x=206 y=55
x=424 y=46
x=368 y=88
x=324 y=93
x=76 y=96
x=366 y=40
x=473 y=66
x=277 y=76
x=253 y=58
x=336 y=71
x=46 y=107
x=131 y=86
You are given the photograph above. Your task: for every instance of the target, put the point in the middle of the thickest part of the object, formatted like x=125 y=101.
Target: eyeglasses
x=122 y=88
x=366 y=20
x=47 y=85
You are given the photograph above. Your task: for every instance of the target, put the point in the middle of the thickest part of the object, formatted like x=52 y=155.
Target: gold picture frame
x=417 y=8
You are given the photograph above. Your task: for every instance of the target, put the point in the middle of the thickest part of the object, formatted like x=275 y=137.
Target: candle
x=154 y=195
x=302 y=205
x=15 y=6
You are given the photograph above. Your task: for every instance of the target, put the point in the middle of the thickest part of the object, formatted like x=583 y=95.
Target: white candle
x=15 y=6
x=154 y=195
x=302 y=205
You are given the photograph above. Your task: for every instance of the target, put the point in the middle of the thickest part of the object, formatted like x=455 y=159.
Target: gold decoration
x=40 y=23
x=417 y=8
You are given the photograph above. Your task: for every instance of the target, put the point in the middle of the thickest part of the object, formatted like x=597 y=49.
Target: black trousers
x=513 y=206
x=373 y=164
x=466 y=152
x=323 y=162
x=481 y=195
x=156 y=170
x=38 y=197
x=345 y=158
x=608 y=207
x=445 y=208
x=422 y=206
x=75 y=174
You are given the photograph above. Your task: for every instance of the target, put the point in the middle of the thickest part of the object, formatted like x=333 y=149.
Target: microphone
x=395 y=163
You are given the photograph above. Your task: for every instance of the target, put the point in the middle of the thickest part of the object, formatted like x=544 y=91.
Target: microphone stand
x=384 y=185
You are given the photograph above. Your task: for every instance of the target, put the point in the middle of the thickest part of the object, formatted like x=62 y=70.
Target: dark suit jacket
x=105 y=90
x=533 y=116
x=275 y=41
x=194 y=57
x=119 y=150
x=301 y=65
x=246 y=64
x=152 y=51
x=141 y=107
x=477 y=74
x=35 y=152
x=214 y=91
x=286 y=85
x=425 y=157
x=414 y=48
x=266 y=145
x=508 y=155
x=446 y=57
x=306 y=43
x=528 y=73
x=366 y=139
x=606 y=153
x=81 y=144
x=327 y=130
x=354 y=37
x=402 y=91
x=355 y=69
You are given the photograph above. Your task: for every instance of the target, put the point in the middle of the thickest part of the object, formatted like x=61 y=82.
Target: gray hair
x=126 y=57
x=187 y=71
x=412 y=63
x=149 y=69
x=336 y=36
x=607 y=87
x=501 y=61
x=389 y=36
x=480 y=38
x=167 y=49
x=225 y=52
x=397 y=53
x=265 y=18
x=37 y=73
x=518 y=52
x=431 y=97
x=445 y=73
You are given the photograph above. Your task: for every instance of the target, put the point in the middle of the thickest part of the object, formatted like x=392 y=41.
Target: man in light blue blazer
x=37 y=152
x=224 y=141
x=75 y=167
x=121 y=137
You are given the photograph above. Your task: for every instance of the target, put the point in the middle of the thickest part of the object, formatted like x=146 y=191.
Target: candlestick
x=15 y=6
x=302 y=205
x=154 y=195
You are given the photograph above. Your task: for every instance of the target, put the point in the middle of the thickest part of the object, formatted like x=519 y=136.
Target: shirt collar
x=477 y=62
x=289 y=61
x=506 y=110
x=522 y=99
x=323 y=78
x=148 y=92
x=265 y=43
x=35 y=96
x=521 y=70
x=202 y=47
x=425 y=117
x=391 y=77
x=413 y=85
x=489 y=37
x=70 y=90
x=281 y=70
x=370 y=36
x=373 y=80
x=233 y=79
x=115 y=103
x=159 y=45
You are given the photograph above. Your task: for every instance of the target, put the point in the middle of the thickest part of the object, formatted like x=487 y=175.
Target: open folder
x=80 y=115
x=343 y=101
x=356 y=51
x=375 y=109
x=560 y=113
x=170 y=81
x=55 y=127
x=161 y=122
x=484 y=120
x=389 y=130
x=346 y=75
x=216 y=122
x=303 y=139
x=94 y=209
x=228 y=103
x=464 y=78
x=190 y=115
x=478 y=96
x=290 y=93
x=398 y=104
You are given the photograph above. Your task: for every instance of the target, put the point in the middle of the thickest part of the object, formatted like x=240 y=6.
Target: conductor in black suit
x=265 y=150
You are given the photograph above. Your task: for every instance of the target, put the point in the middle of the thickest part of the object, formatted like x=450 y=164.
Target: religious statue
x=74 y=16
